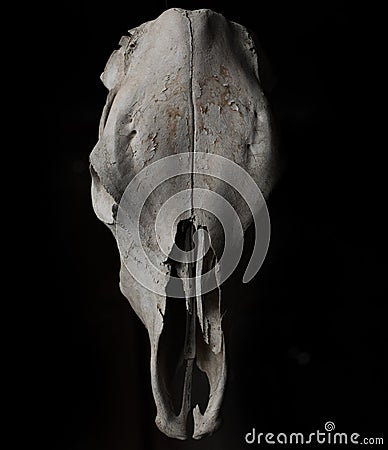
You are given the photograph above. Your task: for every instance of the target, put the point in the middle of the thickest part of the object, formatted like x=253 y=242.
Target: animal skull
x=183 y=86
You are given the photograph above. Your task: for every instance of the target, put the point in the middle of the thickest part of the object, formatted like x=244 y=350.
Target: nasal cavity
x=171 y=361
x=170 y=350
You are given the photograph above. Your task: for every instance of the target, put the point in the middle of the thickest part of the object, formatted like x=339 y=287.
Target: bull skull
x=184 y=143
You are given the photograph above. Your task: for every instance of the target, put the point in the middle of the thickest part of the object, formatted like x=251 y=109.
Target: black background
x=305 y=336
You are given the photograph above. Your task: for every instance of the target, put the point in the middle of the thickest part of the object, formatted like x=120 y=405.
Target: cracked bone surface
x=185 y=82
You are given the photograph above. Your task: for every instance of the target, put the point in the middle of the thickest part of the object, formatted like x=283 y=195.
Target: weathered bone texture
x=185 y=82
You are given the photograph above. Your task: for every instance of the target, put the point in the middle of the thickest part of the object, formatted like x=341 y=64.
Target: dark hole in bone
x=170 y=350
x=185 y=228
x=171 y=344
x=172 y=364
